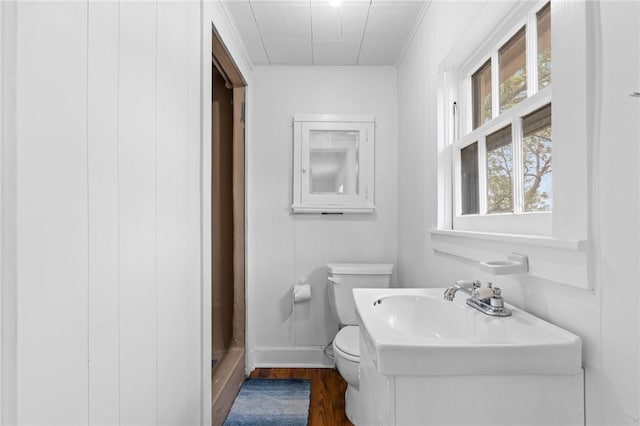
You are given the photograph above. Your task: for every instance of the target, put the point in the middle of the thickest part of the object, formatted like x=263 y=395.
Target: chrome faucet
x=465 y=286
x=487 y=300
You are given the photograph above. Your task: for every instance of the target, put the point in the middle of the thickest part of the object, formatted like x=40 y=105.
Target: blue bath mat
x=266 y=402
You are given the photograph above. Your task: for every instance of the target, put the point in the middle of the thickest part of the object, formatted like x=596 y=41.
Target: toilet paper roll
x=301 y=293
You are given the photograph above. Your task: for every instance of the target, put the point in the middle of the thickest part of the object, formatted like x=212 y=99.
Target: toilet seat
x=347 y=342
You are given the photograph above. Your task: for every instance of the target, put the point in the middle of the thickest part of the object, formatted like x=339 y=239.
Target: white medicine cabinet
x=333 y=164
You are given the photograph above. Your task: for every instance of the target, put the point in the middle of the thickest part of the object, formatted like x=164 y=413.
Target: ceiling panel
x=278 y=20
x=392 y=20
x=255 y=50
x=312 y=32
x=292 y=51
x=243 y=18
x=335 y=52
x=345 y=23
x=380 y=52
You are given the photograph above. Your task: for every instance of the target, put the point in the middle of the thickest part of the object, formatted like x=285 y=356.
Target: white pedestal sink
x=426 y=361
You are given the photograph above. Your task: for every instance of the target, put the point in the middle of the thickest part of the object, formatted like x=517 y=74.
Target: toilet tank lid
x=360 y=268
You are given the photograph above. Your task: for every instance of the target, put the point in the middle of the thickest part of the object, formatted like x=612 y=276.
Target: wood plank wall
x=108 y=181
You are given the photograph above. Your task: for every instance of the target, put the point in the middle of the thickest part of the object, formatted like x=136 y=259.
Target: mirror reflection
x=333 y=162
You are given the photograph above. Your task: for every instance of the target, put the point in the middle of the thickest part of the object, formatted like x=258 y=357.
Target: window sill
x=561 y=261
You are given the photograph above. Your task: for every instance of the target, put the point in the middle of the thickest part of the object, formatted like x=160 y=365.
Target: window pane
x=513 y=71
x=544 y=46
x=481 y=82
x=537 y=160
x=499 y=171
x=469 y=179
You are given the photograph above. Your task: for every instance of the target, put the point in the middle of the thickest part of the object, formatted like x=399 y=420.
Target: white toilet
x=343 y=278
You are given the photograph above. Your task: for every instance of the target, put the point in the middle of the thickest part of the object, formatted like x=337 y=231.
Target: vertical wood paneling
x=305 y=330
x=108 y=177
x=618 y=267
x=205 y=255
x=200 y=376
x=176 y=365
x=137 y=189
x=103 y=213
x=283 y=247
x=52 y=213
x=2 y=227
x=8 y=379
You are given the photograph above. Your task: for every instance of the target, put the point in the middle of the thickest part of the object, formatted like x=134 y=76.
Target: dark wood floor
x=327 y=392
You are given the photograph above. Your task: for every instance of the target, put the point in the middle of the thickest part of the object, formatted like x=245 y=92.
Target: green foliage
x=537 y=162
x=513 y=90
x=499 y=179
x=486 y=108
x=544 y=68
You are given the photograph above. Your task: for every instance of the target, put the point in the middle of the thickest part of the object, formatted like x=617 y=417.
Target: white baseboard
x=291 y=357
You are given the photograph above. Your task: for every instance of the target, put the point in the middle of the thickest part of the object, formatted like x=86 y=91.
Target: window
x=515 y=179
x=469 y=179
x=481 y=81
x=500 y=171
x=536 y=160
x=504 y=156
x=513 y=71
x=543 y=21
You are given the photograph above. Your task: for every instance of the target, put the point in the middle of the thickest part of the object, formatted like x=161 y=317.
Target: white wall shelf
x=561 y=261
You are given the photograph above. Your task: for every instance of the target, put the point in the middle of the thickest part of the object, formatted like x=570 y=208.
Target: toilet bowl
x=346 y=353
x=343 y=278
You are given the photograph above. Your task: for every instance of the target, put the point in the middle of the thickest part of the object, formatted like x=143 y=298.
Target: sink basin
x=417 y=332
x=413 y=315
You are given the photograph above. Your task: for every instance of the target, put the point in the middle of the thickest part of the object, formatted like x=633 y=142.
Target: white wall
x=108 y=214
x=283 y=247
x=8 y=196
x=606 y=318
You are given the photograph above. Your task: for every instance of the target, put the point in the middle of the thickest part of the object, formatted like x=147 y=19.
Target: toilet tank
x=344 y=277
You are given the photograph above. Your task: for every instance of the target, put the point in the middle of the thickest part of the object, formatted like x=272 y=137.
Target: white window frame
x=533 y=223
x=560 y=250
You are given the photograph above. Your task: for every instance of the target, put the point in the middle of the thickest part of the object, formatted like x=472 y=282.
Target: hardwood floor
x=327 y=392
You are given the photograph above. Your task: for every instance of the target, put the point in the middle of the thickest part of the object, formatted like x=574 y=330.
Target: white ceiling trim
x=237 y=38
x=266 y=52
x=325 y=67
x=412 y=36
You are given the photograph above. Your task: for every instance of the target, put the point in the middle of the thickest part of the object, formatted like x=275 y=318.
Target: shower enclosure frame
x=221 y=386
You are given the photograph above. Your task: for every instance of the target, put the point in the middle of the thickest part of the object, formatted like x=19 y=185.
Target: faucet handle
x=482 y=293
x=477 y=284
x=497 y=301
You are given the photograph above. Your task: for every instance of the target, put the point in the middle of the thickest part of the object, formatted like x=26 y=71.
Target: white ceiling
x=312 y=32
